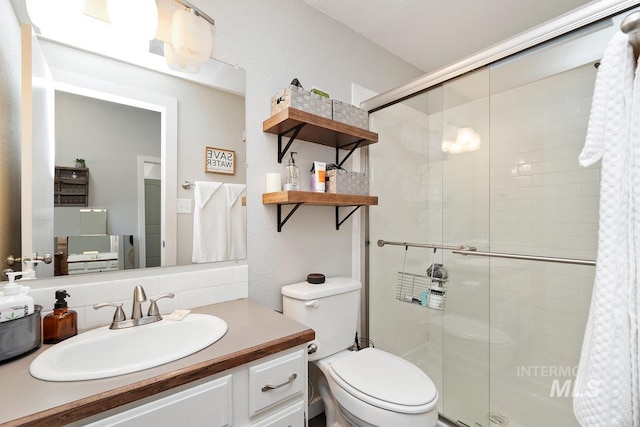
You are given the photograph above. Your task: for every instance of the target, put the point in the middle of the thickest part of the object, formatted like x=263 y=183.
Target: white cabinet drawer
x=293 y=416
x=273 y=381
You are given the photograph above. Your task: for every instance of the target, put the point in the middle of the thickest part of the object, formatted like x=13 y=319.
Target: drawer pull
x=273 y=387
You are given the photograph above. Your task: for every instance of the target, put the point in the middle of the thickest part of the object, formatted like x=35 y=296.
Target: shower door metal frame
x=558 y=27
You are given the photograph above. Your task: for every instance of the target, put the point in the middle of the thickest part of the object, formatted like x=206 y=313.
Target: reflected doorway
x=150 y=218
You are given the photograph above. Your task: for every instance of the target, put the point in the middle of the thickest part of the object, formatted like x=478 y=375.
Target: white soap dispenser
x=292 y=175
x=15 y=302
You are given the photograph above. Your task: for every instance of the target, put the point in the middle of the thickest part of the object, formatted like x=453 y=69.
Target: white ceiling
x=431 y=34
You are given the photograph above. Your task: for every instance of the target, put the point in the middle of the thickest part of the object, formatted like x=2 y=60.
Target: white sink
x=103 y=352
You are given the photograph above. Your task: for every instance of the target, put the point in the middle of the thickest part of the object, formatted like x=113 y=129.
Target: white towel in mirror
x=236 y=221
x=209 y=222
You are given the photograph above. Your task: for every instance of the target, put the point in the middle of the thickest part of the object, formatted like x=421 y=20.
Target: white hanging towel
x=236 y=221
x=606 y=392
x=209 y=222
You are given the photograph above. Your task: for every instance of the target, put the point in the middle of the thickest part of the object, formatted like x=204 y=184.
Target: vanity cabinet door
x=293 y=416
x=208 y=404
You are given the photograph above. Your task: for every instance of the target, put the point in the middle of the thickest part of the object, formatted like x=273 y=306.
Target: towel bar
x=470 y=250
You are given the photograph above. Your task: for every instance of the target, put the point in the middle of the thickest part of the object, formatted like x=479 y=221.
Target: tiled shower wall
x=523 y=192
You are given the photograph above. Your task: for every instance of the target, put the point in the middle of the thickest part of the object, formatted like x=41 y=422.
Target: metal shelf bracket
x=282 y=222
x=281 y=151
x=355 y=146
x=338 y=221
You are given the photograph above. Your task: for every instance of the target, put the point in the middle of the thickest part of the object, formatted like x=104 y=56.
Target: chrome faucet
x=137 y=319
x=138 y=298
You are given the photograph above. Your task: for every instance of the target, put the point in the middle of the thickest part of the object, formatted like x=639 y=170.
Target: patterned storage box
x=341 y=181
x=350 y=114
x=300 y=99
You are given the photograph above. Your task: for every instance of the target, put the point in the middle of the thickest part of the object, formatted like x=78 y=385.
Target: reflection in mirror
x=93 y=222
x=93 y=254
x=193 y=112
x=112 y=139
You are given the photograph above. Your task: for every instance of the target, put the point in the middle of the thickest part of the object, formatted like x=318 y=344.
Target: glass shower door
x=431 y=172
x=490 y=160
x=465 y=220
x=542 y=203
x=406 y=173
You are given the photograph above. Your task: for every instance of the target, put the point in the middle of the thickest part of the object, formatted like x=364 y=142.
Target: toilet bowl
x=363 y=388
x=375 y=388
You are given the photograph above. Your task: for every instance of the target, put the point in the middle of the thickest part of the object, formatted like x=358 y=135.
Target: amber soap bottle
x=62 y=323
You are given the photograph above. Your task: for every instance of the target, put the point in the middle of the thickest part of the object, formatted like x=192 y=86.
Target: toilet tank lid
x=332 y=286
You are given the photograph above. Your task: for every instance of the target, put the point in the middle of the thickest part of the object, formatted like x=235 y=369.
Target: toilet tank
x=330 y=309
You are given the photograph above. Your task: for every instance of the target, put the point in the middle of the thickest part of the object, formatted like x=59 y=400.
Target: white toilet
x=365 y=388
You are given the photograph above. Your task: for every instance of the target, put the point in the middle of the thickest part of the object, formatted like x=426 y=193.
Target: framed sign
x=219 y=160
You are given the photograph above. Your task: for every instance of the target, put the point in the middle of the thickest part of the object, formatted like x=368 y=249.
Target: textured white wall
x=275 y=41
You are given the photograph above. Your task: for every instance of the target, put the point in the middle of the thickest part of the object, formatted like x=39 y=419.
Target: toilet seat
x=384 y=380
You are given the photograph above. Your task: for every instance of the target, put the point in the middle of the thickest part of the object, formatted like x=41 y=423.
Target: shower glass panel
x=542 y=203
x=432 y=171
x=490 y=160
x=465 y=187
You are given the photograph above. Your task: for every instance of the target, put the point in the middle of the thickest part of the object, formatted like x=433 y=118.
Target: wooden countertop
x=254 y=332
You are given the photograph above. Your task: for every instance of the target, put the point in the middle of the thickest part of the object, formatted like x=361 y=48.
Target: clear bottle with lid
x=15 y=303
x=291 y=175
x=62 y=323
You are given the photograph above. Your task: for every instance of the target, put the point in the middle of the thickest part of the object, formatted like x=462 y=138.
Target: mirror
x=170 y=119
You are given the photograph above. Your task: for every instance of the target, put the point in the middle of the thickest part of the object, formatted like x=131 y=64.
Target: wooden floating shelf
x=297 y=124
x=317 y=199
x=299 y=198
x=318 y=129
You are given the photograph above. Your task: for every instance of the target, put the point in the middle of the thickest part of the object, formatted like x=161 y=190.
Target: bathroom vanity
x=255 y=375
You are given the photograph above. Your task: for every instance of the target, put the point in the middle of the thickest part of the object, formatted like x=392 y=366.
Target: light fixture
x=191 y=38
x=43 y=13
x=466 y=140
x=104 y=26
x=178 y=62
x=138 y=19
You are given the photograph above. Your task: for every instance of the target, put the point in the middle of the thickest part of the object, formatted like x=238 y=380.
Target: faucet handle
x=118 y=316
x=11 y=260
x=153 y=308
x=35 y=258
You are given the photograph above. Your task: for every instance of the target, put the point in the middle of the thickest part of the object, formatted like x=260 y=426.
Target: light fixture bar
x=199 y=12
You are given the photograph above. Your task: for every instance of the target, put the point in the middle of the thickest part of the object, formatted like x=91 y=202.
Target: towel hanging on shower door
x=607 y=391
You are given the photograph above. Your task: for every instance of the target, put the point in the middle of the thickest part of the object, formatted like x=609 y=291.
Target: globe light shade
x=191 y=35
x=137 y=18
x=180 y=63
x=48 y=13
